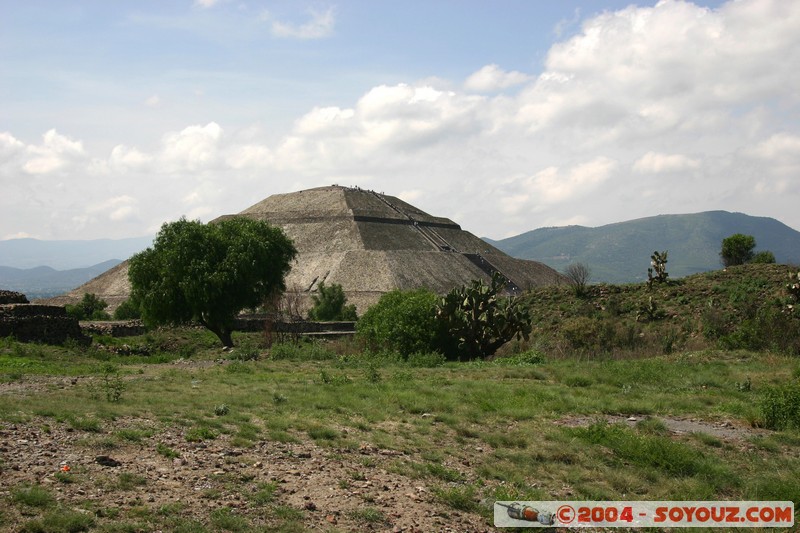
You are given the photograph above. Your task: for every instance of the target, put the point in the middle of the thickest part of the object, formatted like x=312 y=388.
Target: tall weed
x=780 y=406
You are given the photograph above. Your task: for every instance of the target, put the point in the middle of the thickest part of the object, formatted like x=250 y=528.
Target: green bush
x=330 y=304
x=780 y=406
x=765 y=257
x=403 y=321
x=595 y=336
x=737 y=249
x=127 y=310
x=89 y=308
x=767 y=328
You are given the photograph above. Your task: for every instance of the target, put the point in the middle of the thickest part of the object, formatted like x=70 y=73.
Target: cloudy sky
x=504 y=116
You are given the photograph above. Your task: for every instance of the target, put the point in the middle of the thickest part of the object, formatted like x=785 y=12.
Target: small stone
x=331 y=519
x=105 y=460
x=310 y=506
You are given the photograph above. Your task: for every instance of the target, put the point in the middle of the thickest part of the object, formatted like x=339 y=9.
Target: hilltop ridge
x=620 y=252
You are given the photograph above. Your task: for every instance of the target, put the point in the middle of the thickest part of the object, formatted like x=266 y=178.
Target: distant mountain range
x=45 y=282
x=615 y=253
x=41 y=269
x=64 y=255
x=620 y=253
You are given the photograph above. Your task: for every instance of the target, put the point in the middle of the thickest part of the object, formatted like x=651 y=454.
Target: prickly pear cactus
x=481 y=320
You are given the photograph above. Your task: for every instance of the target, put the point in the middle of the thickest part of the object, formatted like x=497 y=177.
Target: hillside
x=742 y=307
x=620 y=252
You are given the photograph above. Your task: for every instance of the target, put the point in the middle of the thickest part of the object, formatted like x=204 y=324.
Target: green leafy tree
x=91 y=307
x=403 y=321
x=209 y=272
x=737 y=249
x=330 y=304
x=481 y=320
x=127 y=310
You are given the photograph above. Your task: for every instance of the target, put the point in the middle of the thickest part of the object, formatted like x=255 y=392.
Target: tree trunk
x=225 y=336
x=222 y=333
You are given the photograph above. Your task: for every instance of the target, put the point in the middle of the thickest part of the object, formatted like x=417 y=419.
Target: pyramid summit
x=367 y=242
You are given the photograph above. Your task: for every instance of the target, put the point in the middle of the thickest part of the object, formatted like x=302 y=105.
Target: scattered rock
x=105 y=460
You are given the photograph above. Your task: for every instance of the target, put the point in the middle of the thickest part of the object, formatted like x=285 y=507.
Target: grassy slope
x=713 y=309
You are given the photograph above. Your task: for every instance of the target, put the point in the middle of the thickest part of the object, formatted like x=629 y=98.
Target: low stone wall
x=259 y=323
x=126 y=328
x=39 y=323
x=11 y=297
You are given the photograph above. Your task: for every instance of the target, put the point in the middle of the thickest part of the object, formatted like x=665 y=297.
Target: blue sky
x=504 y=116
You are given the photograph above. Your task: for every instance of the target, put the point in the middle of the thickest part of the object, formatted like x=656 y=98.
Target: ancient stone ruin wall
x=11 y=297
x=39 y=323
x=127 y=328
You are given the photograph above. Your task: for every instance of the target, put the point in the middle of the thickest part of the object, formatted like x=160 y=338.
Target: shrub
x=33 y=496
x=765 y=257
x=596 y=336
x=329 y=305
x=127 y=310
x=737 y=249
x=765 y=328
x=403 y=321
x=89 y=308
x=578 y=275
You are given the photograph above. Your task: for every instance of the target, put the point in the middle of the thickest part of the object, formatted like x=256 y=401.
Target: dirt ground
x=332 y=487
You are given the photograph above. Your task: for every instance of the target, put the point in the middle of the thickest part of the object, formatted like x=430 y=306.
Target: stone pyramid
x=367 y=242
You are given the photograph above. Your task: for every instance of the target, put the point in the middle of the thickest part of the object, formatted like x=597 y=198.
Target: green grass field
x=523 y=427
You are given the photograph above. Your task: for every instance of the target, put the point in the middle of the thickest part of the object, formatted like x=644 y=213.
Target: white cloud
x=55 y=152
x=9 y=146
x=249 y=156
x=657 y=163
x=19 y=235
x=492 y=78
x=153 y=101
x=117 y=208
x=323 y=119
x=205 y=4
x=704 y=97
x=779 y=146
x=193 y=148
x=320 y=24
x=552 y=185
x=123 y=158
